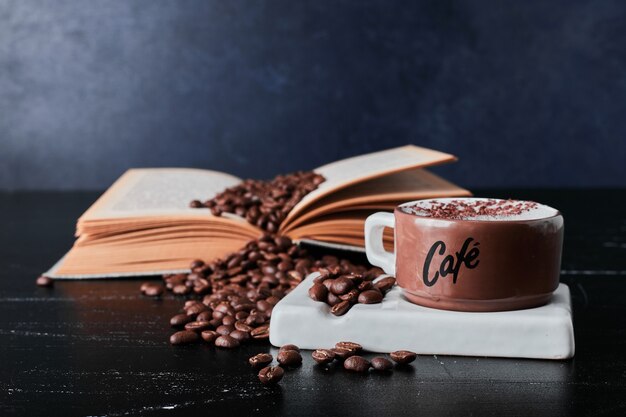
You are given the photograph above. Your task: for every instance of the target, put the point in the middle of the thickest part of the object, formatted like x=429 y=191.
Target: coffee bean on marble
x=227 y=342
x=260 y=360
x=179 y=320
x=356 y=364
x=184 y=337
x=290 y=347
x=261 y=332
x=341 y=285
x=385 y=284
x=349 y=345
x=271 y=375
x=381 y=364
x=323 y=356
x=370 y=297
x=318 y=292
x=403 y=357
x=289 y=358
x=340 y=308
x=209 y=336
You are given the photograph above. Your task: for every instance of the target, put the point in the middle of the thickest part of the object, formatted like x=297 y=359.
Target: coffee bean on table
x=356 y=364
x=241 y=336
x=271 y=374
x=179 y=320
x=227 y=342
x=197 y=326
x=323 y=356
x=184 y=337
x=403 y=357
x=261 y=332
x=370 y=297
x=260 y=360
x=289 y=358
x=381 y=364
x=225 y=329
x=340 y=308
x=290 y=347
x=349 y=345
x=342 y=353
x=209 y=336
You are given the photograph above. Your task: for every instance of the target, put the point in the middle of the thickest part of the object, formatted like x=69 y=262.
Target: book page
x=157 y=192
x=347 y=172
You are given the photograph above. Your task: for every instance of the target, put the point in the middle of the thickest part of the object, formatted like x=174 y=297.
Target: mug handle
x=374 y=249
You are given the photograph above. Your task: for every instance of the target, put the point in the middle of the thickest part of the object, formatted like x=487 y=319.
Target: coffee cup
x=470 y=254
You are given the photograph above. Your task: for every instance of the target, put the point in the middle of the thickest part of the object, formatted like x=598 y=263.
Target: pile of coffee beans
x=264 y=204
x=341 y=291
x=347 y=354
x=230 y=300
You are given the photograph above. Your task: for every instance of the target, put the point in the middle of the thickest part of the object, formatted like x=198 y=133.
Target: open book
x=143 y=225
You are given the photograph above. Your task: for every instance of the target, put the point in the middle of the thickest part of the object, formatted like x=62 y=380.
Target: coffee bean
x=204 y=316
x=349 y=345
x=290 y=347
x=228 y=320
x=341 y=285
x=197 y=263
x=333 y=299
x=240 y=335
x=243 y=327
x=209 y=336
x=370 y=297
x=403 y=357
x=323 y=356
x=289 y=358
x=197 y=326
x=179 y=320
x=351 y=296
x=260 y=360
x=340 y=308
x=385 y=284
x=225 y=329
x=356 y=364
x=184 y=337
x=181 y=289
x=226 y=342
x=271 y=374
x=318 y=292
x=381 y=364
x=261 y=332
x=195 y=309
x=343 y=353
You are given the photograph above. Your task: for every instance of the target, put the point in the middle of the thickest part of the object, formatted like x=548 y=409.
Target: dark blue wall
x=526 y=93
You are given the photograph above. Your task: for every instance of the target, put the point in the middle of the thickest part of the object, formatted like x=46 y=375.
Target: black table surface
x=100 y=348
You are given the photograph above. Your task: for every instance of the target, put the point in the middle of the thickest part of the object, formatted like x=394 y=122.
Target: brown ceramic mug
x=452 y=254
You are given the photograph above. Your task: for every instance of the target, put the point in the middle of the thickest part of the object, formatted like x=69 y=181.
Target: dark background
x=525 y=93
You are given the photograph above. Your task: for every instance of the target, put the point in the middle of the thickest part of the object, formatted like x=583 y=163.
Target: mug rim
x=494 y=222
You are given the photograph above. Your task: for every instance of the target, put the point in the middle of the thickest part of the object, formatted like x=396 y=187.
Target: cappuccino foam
x=482 y=209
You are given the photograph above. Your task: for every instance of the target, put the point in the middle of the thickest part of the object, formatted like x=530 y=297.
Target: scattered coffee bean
x=241 y=336
x=209 y=336
x=381 y=364
x=323 y=356
x=197 y=326
x=290 y=347
x=225 y=329
x=356 y=364
x=318 y=292
x=262 y=332
x=349 y=345
x=370 y=297
x=271 y=374
x=289 y=358
x=225 y=341
x=260 y=360
x=403 y=357
x=179 y=320
x=341 y=285
x=343 y=354
x=385 y=284
x=340 y=308
x=184 y=337
x=44 y=281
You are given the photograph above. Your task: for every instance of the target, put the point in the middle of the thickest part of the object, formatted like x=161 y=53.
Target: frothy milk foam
x=529 y=210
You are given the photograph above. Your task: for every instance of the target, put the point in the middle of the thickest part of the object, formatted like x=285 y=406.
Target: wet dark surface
x=100 y=348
